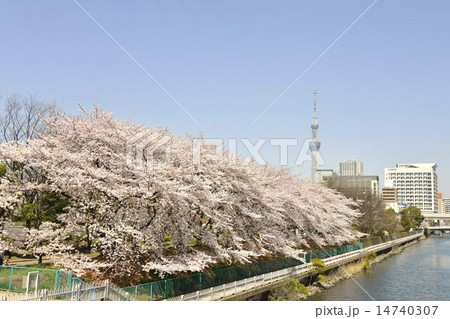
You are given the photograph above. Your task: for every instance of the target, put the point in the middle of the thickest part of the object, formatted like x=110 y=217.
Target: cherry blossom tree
x=182 y=216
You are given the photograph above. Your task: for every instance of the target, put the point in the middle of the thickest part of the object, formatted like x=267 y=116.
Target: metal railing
x=182 y=285
x=170 y=287
x=79 y=290
x=236 y=287
x=102 y=290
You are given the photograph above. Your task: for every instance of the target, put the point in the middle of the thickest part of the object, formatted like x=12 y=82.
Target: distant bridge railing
x=436 y=216
x=441 y=228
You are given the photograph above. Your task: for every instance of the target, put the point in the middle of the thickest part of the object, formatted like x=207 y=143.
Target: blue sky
x=383 y=88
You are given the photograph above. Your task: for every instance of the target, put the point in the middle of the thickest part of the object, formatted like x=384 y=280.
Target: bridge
x=437 y=222
x=242 y=289
x=436 y=217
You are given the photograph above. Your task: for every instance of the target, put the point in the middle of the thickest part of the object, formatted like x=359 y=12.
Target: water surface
x=420 y=272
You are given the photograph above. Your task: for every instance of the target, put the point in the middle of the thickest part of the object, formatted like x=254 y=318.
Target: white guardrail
x=236 y=287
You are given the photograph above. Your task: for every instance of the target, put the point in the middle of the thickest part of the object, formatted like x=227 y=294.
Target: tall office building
x=357 y=184
x=416 y=185
x=350 y=168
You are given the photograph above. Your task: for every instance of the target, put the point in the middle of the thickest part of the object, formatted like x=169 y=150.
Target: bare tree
x=21 y=117
x=374 y=218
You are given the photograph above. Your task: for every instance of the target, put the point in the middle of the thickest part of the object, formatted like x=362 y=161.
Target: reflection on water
x=420 y=272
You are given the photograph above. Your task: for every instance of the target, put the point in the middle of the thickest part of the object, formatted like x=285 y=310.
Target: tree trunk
x=88 y=239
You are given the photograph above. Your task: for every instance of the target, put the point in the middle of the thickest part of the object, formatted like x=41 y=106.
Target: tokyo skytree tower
x=314 y=144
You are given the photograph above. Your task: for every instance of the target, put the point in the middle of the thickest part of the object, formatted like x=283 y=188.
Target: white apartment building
x=350 y=168
x=416 y=185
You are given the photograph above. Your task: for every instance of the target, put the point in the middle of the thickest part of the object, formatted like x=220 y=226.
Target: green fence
x=167 y=288
x=364 y=243
x=163 y=289
x=375 y=240
x=14 y=278
x=325 y=253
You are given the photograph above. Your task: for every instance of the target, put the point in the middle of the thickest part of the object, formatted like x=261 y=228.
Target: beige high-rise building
x=389 y=195
x=446 y=205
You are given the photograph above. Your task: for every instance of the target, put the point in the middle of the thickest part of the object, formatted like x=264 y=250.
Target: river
x=420 y=272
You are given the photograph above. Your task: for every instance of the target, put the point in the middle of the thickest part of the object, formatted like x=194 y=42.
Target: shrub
x=292 y=289
x=371 y=256
x=366 y=266
x=368 y=261
x=319 y=266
